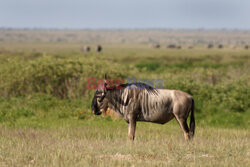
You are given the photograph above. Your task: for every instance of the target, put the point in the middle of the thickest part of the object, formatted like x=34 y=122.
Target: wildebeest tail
x=192 y=120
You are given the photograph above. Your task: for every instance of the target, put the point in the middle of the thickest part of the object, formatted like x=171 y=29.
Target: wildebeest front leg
x=131 y=129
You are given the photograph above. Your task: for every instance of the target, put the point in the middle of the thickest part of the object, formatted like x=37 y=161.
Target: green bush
x=61 y=77
x=148 y=66
x=35 y=85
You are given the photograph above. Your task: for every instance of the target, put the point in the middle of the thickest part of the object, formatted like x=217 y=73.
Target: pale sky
x=98 y=14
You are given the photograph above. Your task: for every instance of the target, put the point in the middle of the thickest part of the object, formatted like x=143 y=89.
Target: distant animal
x=86 y=48
x=220 y=46
x=209 y=46
x=171 y=46
x=157 y=46
x=98 y=48
x=190 y=47
x=246 y=46
x=140 y=102
x=178 y=47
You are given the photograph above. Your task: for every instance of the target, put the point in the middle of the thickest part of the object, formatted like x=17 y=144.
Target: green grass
x=45 y=117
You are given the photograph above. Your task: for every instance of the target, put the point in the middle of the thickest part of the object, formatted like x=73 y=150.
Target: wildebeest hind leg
x=184 y=127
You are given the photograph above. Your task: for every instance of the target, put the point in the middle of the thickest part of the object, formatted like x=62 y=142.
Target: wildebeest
x=85 y=48
x=209 y=46
x=98 y=48
x=157 y=46
x=111 y=113
x=140 y=102
x=220 y=46
x=171 y=46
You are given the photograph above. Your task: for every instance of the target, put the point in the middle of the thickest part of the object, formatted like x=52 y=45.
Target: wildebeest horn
x=105 y=81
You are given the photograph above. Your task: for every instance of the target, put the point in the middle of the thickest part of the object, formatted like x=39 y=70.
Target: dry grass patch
x=93 y=145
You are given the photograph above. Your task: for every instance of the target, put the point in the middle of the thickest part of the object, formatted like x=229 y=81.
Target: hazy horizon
x=124 y=29
x=130 y=14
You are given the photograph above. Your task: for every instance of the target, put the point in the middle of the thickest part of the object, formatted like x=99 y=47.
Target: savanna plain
x=45 y=106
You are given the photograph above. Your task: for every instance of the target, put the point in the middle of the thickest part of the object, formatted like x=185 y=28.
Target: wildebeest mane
x=115 y=95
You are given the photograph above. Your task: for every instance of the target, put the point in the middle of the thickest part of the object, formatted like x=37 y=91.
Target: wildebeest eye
x=99 y=93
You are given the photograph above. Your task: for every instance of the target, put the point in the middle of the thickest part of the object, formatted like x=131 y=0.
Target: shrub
x=61 y=77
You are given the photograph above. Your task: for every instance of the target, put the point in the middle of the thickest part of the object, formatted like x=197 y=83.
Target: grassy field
x=97 y=142
x=45 y=117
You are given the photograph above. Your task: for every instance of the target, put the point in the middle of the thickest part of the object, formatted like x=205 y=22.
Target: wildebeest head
x=97 y=101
